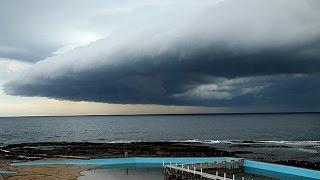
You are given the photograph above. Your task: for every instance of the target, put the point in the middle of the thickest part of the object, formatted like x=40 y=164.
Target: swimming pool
x=255 y=167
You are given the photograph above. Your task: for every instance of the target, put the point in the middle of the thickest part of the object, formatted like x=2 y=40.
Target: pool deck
x=196 y=171
x=183 y=171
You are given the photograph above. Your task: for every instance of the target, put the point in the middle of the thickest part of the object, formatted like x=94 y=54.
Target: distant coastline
x=175 y=114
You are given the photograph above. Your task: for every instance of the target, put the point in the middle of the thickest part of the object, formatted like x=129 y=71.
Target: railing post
x=224 y=176
x=201 y=170
x=194 y=170
x=233 y=177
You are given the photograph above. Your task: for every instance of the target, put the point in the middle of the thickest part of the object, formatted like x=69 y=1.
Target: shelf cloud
x=208 y=53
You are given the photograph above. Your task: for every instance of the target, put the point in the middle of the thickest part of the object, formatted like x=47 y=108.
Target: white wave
x=272 y=142
x=294 y=143
x=313 y=151
x=203 y=141
x=124 y=141
x=188 y=140
x=288 y=143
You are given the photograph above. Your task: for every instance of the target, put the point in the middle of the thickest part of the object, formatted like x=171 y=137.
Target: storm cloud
x=208 y=53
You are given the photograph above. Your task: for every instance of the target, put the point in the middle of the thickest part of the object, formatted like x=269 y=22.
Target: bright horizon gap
x=151 y=114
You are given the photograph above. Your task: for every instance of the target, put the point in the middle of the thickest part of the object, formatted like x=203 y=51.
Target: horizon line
x=170 y=114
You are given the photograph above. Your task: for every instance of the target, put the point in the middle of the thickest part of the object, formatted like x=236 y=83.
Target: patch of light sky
x=78 y=39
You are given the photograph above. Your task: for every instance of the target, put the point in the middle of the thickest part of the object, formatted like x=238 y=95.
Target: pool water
x=123 y=174
x=143 y=173
x=156 y=173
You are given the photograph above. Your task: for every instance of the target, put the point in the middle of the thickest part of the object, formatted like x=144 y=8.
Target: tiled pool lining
x=3 y=171
x=302 y=172
x=158 y=162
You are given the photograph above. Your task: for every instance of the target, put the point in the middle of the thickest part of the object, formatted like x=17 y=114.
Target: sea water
x=276 y=128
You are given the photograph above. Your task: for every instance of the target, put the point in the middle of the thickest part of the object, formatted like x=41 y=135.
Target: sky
x=172 y=56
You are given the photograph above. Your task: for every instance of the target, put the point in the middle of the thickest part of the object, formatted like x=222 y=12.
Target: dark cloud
x=299 y=91
x=35 y=29
x=231 y=54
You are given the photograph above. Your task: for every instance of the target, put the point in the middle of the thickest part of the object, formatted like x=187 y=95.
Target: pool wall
x=3 y=171
x=302 y=172
x=154 y=161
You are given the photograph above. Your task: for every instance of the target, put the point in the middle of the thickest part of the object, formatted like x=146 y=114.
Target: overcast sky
x=148 y=56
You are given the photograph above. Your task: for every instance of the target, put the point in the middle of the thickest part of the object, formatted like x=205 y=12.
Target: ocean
x=262 y=137
x=276 y=128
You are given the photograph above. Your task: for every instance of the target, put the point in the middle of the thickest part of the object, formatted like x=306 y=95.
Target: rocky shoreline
x=88 y=150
